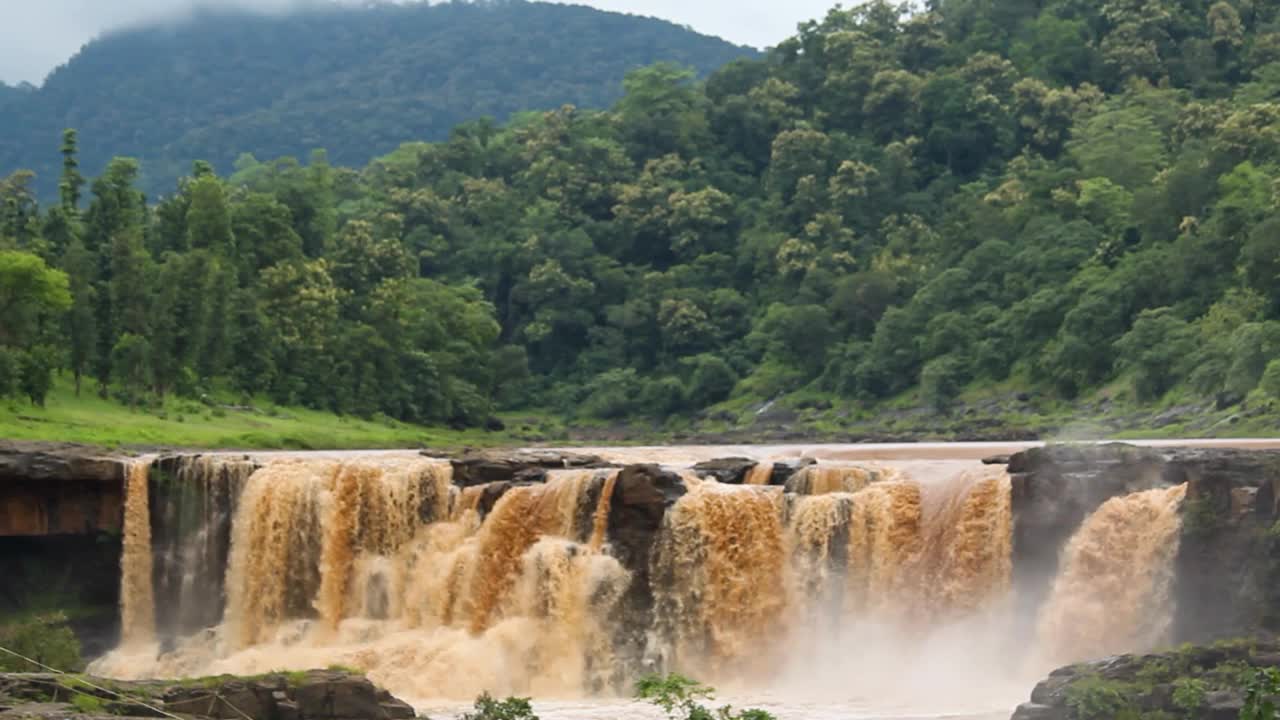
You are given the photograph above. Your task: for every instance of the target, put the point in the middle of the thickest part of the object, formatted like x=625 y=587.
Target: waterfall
x=1112 y=594
x=137 y=594
x=718 y=581
x=822 y=479
x=852 y=579
x=193 y=499
x=759 y=474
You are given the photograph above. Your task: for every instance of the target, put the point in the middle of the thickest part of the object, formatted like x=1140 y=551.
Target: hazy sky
x=38 y=35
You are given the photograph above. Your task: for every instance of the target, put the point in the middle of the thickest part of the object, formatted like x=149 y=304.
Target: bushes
x=711 y=380
x=45 y=639
x=679 y=697
x=513 y=708
x=941 y=381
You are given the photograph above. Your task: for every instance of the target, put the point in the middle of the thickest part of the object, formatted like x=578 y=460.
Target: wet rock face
x=315 y=695
x=1226 y=582
x=642 y=495
x=524 y=466
x=1224 y=585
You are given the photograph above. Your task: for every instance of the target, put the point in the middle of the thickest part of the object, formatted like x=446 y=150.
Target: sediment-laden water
x=860 y=589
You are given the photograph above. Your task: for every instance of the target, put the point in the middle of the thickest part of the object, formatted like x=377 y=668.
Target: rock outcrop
x=59 y=489
x=522 y=466
x=730 y=471
x=1205 y=682
x=1054 y=489
x=315 y=695
x=1224 y=582
x=642 y=495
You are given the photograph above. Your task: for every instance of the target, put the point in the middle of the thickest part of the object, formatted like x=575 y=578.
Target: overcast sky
x=38 y=35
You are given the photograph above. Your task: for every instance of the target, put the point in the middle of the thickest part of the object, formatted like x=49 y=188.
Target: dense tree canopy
x=1062 y=193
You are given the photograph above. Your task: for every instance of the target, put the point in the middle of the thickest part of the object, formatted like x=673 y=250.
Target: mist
x=37 y=37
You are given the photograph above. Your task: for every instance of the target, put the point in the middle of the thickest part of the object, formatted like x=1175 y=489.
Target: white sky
x=38 y=35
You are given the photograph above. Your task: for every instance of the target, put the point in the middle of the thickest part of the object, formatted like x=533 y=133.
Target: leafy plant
x=1095 y=699
x=1189 y=696
x=1260 y=695
x=679 y=696
x=513 y=708
x=45 y=639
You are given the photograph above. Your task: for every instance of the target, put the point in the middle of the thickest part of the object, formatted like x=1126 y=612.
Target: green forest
x=892 y=207
x=358 y=81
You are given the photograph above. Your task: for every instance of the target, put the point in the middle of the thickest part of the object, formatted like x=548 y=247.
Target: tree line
x=1058 y=195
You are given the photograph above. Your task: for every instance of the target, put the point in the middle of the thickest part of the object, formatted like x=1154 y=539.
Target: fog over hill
x=358 y=81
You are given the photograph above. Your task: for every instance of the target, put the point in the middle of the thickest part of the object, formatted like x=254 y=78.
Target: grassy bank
x=214 y=424
x=992 y=412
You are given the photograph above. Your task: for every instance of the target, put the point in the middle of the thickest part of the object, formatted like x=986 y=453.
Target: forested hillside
x=356 y=80
x=1056 y=197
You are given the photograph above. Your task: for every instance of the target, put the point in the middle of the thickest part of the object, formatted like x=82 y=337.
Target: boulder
x=730 y=471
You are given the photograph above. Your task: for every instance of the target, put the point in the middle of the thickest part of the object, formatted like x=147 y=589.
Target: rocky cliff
x=55 y=489
x=1226 y=576
x=331 y=695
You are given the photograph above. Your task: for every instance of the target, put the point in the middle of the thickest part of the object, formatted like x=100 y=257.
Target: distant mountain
x=355 y=81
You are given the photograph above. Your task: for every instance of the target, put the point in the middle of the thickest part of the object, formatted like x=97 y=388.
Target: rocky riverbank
x=1203 y=682
x=315 y=695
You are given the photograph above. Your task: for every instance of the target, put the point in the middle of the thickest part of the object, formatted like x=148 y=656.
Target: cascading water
x=193 y=501
x=853 y=582
x=137 y=594
x=823 y=479
x=759 y=474
x=1112 y=594
x=719 y=587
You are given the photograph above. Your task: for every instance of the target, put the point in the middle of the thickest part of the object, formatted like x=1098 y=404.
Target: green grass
x=88 y=704
x=186 y=423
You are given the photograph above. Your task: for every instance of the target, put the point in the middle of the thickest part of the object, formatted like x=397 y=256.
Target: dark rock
x=782 y=471
x=731 y=471
x=337 y=695
x=1023 y=397
x=1223 y=705
x=1224 y=400
x=642 y=495
x=479 y=468
x=996 y=460
x=490 y=496
x=494 y=424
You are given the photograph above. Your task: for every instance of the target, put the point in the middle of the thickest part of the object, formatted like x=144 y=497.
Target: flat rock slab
x=483 y=467
x=59 y=462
